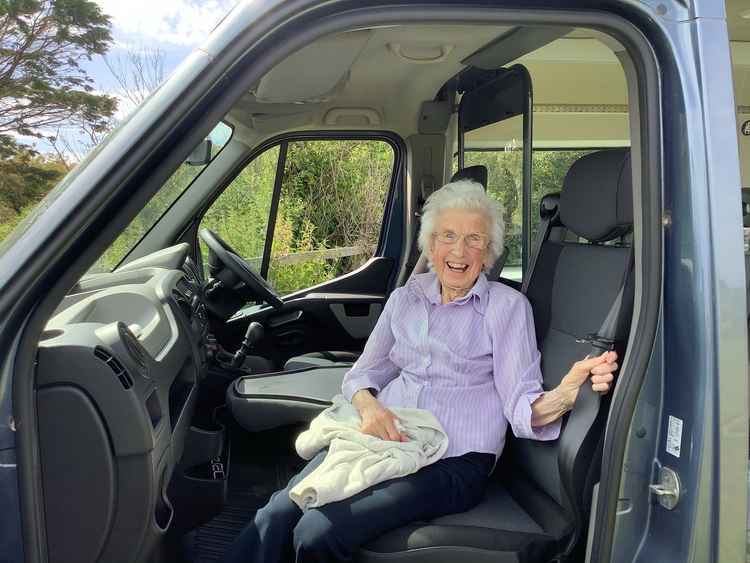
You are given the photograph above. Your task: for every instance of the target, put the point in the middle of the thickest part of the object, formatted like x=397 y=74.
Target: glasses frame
x=440 y=237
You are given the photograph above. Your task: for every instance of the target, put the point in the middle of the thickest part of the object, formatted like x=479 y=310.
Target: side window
x=240 y=214
x=330 y=208
x=499 y=147
x=504 y=169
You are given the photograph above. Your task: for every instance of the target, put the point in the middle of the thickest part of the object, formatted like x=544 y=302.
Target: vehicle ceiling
x=377 y=78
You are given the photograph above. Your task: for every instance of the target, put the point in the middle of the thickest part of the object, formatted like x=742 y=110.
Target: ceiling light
x=745 y=15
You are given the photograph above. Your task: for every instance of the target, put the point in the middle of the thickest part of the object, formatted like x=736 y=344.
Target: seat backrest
x=572 y=289
x=477 y=174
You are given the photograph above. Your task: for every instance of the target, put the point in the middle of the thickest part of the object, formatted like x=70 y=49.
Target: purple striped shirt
x=473 y=362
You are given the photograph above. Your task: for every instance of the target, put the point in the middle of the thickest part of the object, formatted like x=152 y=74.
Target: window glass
x=331 y=209
x=240 y=214
x=162 y=200
x=504 y=171
x=499 y=147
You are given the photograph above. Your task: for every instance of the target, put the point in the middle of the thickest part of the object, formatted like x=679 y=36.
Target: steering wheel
x=239 y=267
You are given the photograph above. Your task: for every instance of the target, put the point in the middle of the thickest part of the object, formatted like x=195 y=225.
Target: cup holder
x=203 y=445
x=200 y=487
x=214 y=470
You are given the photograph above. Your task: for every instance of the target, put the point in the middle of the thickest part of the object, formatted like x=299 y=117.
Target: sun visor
x=314 y=73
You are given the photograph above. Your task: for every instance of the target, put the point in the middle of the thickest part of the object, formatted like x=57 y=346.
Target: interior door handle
x=281 y=320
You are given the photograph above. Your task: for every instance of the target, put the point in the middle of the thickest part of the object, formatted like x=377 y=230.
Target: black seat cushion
x=514 y=522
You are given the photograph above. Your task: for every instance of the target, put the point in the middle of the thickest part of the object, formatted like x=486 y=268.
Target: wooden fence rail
x=326 y=254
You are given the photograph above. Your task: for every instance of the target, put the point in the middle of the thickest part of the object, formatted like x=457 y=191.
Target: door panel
x=336 y=315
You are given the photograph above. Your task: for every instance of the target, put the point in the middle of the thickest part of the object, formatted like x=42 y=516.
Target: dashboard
x=118 y=368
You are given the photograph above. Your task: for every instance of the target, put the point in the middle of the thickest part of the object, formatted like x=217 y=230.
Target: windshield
x=163 y=199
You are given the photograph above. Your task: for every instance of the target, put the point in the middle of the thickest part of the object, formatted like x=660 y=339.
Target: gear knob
x=253 y=334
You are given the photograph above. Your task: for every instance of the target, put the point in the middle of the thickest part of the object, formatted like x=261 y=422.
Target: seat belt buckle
x=599 y=342
x=217 y=469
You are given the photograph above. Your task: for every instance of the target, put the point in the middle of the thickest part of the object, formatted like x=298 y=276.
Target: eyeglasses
x=473 y=240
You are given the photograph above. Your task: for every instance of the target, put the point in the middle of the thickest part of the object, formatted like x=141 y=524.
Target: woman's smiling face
x=458 y=248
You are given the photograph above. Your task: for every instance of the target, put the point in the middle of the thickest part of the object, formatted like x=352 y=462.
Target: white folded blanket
x=356 y=461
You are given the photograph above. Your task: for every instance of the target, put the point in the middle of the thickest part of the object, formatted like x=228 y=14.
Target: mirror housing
x=201 y=155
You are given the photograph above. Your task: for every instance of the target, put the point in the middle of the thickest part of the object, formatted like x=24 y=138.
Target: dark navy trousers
x=282 y=532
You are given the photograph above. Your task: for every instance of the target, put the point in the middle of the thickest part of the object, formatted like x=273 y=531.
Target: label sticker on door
x=674 y=436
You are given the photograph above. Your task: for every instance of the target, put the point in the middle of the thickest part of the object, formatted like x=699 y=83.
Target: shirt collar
x=478 y=294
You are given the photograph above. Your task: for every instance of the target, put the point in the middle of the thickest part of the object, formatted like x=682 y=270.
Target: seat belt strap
x=585 y=411
x=545 y=225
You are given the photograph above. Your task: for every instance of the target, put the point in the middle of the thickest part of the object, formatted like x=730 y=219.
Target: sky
x=174 y=27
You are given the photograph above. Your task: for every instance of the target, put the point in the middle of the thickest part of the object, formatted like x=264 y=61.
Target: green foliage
x=25 y=177
x=42 y=83
x=505 y=183
x=154 y=209
x=146 y=219
x=332 y=196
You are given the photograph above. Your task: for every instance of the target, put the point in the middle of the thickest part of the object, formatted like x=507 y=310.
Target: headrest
x=597 y=200
x=476 y=173
x=549 y=204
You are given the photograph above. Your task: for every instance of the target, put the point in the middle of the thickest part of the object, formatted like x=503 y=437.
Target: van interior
x=223 y=319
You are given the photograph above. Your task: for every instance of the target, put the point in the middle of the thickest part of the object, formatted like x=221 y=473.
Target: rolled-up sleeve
x=517 y=369
x=374 y=368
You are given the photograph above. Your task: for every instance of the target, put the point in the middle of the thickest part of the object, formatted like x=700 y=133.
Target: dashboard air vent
x=115 y=365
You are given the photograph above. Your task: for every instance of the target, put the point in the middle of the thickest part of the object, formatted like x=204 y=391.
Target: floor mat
x=261 y=464
x=209 y=542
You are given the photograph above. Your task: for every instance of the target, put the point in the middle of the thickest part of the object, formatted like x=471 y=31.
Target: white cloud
x=176 y=22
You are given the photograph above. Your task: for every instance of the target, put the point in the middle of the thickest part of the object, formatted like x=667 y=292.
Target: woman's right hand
x=377 y=420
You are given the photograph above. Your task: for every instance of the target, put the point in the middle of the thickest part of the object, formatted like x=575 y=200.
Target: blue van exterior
x=694 y=359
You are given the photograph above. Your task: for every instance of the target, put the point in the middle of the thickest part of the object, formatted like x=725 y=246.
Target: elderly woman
x=457 y=345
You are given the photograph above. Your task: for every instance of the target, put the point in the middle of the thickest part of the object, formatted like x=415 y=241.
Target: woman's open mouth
x=456 y=267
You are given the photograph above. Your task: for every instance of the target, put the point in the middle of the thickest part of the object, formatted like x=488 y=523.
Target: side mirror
x=201 y=154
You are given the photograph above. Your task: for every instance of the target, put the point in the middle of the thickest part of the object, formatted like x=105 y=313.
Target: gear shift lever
x=253 y=334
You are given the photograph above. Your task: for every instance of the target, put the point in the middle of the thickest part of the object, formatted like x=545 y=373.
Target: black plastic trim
x=273 y=212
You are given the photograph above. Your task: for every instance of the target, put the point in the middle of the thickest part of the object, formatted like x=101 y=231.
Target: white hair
x=468 y=195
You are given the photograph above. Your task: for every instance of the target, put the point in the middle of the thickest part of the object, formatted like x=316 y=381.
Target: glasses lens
x=474 y=240
x=447 y=237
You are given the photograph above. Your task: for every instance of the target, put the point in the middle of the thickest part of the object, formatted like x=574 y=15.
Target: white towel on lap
x=356 y=461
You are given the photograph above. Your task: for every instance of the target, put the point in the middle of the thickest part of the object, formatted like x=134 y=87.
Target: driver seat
x=478 y=174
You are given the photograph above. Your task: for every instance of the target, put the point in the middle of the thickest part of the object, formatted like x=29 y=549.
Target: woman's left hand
x=553 y=404
x=600 y=368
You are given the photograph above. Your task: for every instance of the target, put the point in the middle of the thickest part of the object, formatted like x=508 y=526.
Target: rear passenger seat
x=537 y=502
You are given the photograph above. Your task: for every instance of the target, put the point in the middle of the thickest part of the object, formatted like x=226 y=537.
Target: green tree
x=42 y=83
x=25 y=176
x=43 y=86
